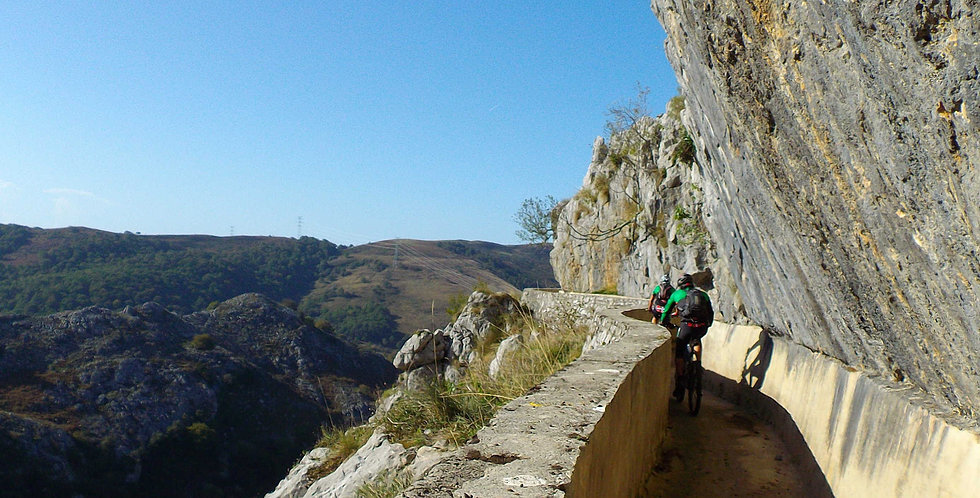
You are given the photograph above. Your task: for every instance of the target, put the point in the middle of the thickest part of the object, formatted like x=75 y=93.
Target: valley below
x=104 y=395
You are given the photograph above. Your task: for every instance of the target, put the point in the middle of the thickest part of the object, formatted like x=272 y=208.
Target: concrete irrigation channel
x=777 y=420
x=726 y=451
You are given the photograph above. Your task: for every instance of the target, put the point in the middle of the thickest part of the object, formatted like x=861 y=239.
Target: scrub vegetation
x=448 y=413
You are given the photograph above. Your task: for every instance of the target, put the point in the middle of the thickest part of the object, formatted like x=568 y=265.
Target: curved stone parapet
x=583 y=309
x=574 y=434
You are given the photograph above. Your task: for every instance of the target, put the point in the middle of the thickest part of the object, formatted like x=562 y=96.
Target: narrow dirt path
x=723 y=452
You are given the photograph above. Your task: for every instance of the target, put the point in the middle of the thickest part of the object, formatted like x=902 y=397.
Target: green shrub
x=616 y=159
x=202 y=342
x=456 y=304
x=675 y=106
x=631 y=211
x=200 y=433
x=586 y=196
x=342 y=443
x=692 y=232
x=684 y=151
x=601 y=183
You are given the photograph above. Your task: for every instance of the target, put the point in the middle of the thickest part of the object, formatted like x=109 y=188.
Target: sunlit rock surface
x=840 y=147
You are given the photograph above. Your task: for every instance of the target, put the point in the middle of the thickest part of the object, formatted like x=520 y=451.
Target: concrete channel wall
x=870 y=437
x=595 y=428
x=865 y=436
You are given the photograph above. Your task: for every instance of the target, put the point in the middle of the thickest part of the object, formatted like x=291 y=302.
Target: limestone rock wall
x=639 y=215
x=840 y=147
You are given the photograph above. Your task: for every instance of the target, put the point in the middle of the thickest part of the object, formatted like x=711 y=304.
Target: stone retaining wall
x=569 y=436
x=583 y=309
x=870 y=436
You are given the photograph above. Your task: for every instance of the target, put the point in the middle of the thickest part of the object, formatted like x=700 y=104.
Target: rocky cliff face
x=841 y=154
x=98 y=402
x=639 y=215
x=835 y=179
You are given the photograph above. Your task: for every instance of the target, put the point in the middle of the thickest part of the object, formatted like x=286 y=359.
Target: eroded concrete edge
x=869 y=436
x=578 y=433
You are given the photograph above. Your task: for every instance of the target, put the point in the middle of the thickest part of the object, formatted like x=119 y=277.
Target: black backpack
x=665 y=292
x=696 y=308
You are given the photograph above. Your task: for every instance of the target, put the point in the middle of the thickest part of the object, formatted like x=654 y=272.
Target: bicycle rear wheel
x=694 y=373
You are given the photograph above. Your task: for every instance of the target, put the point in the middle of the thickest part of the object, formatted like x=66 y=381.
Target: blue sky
x=370 y=120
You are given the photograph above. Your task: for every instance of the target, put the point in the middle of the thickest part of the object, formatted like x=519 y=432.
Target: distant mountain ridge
x=46 y=271
x=415 y=282
x=376 y=293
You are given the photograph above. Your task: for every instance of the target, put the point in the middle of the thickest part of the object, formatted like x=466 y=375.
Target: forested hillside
x=45 y=271
x=374 y=293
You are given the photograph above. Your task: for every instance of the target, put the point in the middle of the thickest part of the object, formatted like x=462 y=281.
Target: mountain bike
x=693 y=373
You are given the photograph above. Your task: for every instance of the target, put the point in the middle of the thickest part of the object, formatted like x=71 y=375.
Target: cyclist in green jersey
x=694 y=308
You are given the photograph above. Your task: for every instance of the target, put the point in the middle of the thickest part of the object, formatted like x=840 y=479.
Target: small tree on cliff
x=633 y=138
x=536 y=219
x=624 y=117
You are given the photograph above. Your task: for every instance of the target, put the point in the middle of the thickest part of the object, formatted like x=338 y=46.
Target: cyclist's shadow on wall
x=757 y=360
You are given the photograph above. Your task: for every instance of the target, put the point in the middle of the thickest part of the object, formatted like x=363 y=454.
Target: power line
x=449 y=273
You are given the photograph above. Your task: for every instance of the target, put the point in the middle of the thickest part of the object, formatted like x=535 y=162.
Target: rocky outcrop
x=446 y=353
x=426 y=357
x=375 y=457
x=840 y=147
x=423 y=348
x=639 y=215
x=105 y=398
x=507 y=347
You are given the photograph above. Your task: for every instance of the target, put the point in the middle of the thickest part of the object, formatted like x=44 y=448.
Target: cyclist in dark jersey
x=658 y=299
x=694 y=307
